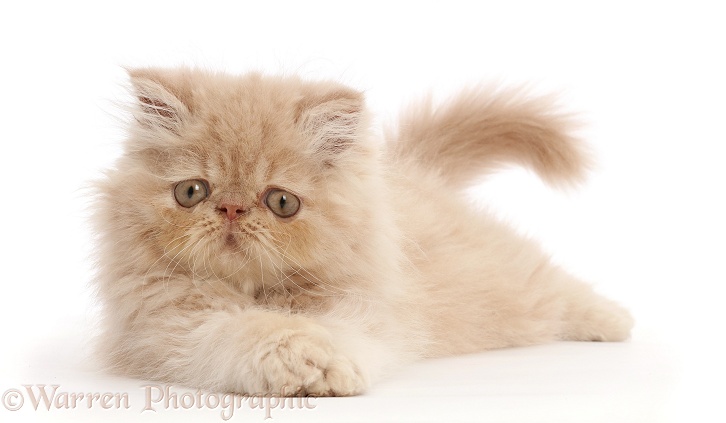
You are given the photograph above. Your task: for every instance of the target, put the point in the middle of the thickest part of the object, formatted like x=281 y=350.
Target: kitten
x=254 y=238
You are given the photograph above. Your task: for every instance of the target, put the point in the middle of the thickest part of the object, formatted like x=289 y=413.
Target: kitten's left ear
x=332 y=121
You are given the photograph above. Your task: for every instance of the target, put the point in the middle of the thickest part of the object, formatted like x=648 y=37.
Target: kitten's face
x=224 y=205
x=242 y=178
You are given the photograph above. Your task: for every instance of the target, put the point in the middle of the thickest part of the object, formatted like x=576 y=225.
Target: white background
x=647 y=229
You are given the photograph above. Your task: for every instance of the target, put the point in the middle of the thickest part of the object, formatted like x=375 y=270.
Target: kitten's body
x=384 y=262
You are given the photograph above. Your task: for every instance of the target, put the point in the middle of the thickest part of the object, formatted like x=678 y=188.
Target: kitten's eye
x=282 y=203
x=190 y=193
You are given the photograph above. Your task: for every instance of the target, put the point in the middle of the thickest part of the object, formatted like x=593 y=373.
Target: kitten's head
x=250 y=179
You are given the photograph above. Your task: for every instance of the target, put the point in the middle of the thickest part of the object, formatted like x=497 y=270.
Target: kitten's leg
x=519 y=303
x=193 y=337
x=276 y=352
x=554 y=304
x=588 y=316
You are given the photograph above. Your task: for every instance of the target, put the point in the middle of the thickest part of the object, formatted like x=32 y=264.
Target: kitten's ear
x=333 y=121
x=161 y=104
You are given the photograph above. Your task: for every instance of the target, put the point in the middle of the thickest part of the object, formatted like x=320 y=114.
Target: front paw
x=304 y=362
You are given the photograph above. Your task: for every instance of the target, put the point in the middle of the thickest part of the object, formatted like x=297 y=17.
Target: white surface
x=648 y=228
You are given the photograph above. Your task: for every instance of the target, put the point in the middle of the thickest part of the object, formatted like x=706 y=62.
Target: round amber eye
x=190 y=193
x=282 y=203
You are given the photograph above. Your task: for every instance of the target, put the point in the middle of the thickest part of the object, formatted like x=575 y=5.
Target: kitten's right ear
x=159 y=108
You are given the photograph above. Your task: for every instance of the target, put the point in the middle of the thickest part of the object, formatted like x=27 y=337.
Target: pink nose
x=233 y=211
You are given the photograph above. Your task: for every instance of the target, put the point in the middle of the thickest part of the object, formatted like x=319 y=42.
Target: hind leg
x=573 y=311
x=589 y=316
x=521 y=308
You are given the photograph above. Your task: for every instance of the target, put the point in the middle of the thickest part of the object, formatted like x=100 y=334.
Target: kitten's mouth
x=232 y=236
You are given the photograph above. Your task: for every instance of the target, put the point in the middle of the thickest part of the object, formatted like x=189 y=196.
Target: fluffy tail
x=481 y=130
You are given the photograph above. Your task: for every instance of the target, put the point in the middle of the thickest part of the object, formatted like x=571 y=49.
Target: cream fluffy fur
x=384 y=263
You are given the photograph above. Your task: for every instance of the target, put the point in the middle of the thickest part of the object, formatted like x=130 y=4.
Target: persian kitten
x=254 y=237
